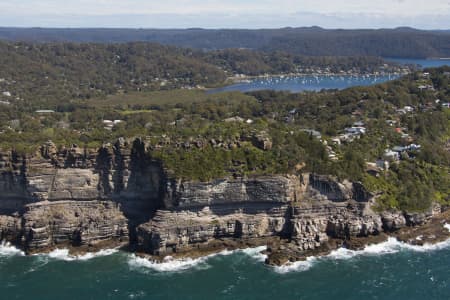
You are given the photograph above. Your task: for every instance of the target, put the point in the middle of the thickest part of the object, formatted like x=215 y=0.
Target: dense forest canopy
x=66 y=71
x=311 y=41
x=200 y=136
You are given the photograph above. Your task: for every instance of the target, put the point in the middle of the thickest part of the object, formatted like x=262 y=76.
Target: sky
x=425 y=14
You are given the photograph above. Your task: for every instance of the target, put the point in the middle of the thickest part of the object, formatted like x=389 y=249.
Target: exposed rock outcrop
x=77 y=196
x=82 y=197
x=47 y=225
x=275 y=189
x=10 y=229
x=181 y=231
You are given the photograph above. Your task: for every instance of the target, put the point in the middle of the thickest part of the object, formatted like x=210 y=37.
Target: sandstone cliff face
x=181 y=231
x=80 y=197
x=120 y=171
x=276 y=189
x=77 y=196
x=46 y=225
x=306 y=209
x=10 y=229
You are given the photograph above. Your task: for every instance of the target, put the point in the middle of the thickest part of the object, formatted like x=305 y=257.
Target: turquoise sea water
x=316 y=83
x=387 y=271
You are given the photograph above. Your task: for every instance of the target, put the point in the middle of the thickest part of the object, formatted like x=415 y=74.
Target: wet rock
x=431 y=232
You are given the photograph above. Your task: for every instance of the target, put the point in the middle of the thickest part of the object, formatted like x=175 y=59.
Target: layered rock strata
x=181 y=231
x=73 y=223
x=118 y=193
x=77 y=196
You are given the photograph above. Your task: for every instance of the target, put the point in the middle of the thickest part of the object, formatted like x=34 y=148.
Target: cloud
x=229 y=13
x=109 y=7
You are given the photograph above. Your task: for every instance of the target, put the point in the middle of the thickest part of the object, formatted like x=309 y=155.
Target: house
x=413 y=147
x=373 y=169
x=234 y=119
x=313 y=133
x=336 y=141
x=405 y=136
x=45 y=111
x=358 y=124
x=426 y=87
x=108 y=124
x=348 y=137
x=399 y=149
x=408 y=108
x=332 y=156
x=391 y=122
x=356 y=130
x=382 y=164
x=390 y=155
x=6 y=94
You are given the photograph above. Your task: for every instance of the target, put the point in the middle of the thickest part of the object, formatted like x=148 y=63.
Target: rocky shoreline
x=117 y=197
x=281 y=252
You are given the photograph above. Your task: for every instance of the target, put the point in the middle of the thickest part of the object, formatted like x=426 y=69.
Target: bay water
x=297 y=84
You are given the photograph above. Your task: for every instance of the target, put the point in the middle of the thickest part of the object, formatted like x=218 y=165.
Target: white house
x=390 y=155
x=356 y=130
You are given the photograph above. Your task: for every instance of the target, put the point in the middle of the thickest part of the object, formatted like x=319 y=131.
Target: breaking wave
x=390 y=246
x=298 y=266
x=170 y=264
x=6 y=249
x=63 y=254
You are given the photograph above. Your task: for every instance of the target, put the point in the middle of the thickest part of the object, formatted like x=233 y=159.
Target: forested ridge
x=65 y=71
x=311 y=41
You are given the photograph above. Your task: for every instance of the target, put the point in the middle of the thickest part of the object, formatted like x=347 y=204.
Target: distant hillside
x=59 y=71
x=400 y=42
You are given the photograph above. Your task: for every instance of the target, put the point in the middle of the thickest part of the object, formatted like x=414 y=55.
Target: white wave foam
x=170 y=264
x=63 y=254
x=6 y=249
x=390 y=246
x=255 y=253
x=298 y=266
x=427 y=247
x=447 y=226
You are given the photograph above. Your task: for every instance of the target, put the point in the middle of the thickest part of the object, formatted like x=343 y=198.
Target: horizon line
x=219 y=28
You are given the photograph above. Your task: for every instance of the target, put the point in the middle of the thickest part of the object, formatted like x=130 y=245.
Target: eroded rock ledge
x=117 y=195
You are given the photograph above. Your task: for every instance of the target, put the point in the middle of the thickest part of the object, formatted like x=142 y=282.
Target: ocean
x=391 y=270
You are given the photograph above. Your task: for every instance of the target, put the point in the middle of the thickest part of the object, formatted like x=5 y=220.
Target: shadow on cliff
x=13 y=183
x=130 y=177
